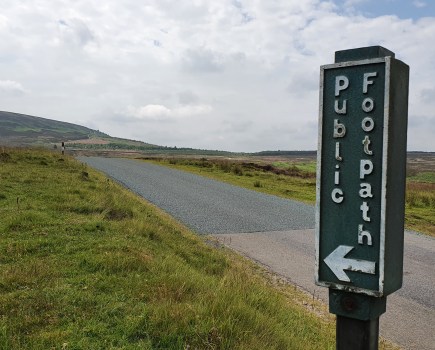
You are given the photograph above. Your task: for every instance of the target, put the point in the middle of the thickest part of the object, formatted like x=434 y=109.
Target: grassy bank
x=291 y=181
x=296 y=180
x=420 y=206
x=87 y=265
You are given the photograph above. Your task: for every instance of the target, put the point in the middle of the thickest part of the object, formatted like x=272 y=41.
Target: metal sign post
x=361 y=170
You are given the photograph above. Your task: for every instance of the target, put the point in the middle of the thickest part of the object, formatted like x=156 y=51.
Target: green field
x=85 y=264
x=296 y=180
x=292 y=182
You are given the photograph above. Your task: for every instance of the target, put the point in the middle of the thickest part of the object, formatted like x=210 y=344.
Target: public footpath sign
x=361 y=172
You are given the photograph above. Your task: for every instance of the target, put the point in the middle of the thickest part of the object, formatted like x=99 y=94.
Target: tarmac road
x=279 y=233
x=205 y=205
x=410 y=317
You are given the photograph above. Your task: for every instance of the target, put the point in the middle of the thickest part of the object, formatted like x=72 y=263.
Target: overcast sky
x=219 y=74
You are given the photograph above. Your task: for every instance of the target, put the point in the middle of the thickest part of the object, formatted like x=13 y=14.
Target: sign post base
x=357 y=334
x=357 y=326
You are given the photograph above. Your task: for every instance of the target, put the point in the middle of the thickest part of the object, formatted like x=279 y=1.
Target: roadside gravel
x=206 y=206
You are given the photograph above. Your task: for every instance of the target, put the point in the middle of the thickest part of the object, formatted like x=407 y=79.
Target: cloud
x=187 y=97
x=231 y=74
x=351 y=3
x=203 y=60
x=191 y=110
x=420 y=132
x=419 y=4
x=3 y=22
x=75 y=32
x=428 y=96
x=237 y=127
x=155 y=112
x=11 y=87
x=150 y=112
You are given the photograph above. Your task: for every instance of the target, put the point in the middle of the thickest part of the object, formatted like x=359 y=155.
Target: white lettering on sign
x=366 y=168
x=367 y=124
x=364 y=234
x=339 y=129
x=341 y=83
x=337 y=152
x=367 y=82
x=366 y=190
x=365 y=209
x=337 y=177
x=368 y=104
x=343 y=108
x=337 y=260
x=366 y=142
x=337 y=195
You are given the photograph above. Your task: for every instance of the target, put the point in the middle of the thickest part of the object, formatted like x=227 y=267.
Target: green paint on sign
x=362 y=153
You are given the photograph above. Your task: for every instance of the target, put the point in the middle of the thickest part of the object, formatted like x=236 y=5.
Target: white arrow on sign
x=337 y=262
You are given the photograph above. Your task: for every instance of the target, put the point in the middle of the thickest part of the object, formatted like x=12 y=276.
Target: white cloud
x=191 y=110
x=150 y=112
x=419 y=4
x=74 y=32
x=163 y=113
x=428 y=96
x=187 y=97
x=10 y=86
x=3 y=22
x=203 y=61
x=206 y=69
x=351 y=3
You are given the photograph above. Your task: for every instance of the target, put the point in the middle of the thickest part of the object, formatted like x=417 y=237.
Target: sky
x=235 y=75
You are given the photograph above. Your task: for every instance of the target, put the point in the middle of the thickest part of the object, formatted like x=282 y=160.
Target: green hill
x=26 y=130
x=20 y=129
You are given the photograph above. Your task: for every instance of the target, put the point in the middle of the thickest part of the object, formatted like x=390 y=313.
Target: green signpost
x=361 y=173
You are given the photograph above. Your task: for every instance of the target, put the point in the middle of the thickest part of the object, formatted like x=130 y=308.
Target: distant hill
x=26 y=130
x=21 y=129
x=285 y=153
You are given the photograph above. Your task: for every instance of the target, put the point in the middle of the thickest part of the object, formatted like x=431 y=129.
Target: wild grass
x=424 y=176
x=305 y=166
x=296 y=180
x=85 y=264
x=292 y=181
x=420 y=207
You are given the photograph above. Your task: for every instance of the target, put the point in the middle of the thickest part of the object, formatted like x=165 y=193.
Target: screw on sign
x=361 y=181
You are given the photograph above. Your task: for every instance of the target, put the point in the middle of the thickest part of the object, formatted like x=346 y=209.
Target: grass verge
x=295 y=180
x=420 y=206
x=86 y=264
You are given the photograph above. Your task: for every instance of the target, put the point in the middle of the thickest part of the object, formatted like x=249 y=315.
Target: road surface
x=279 y=233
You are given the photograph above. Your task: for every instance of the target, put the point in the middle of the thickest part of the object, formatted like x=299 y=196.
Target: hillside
x=26 y=130
x=20 y=129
